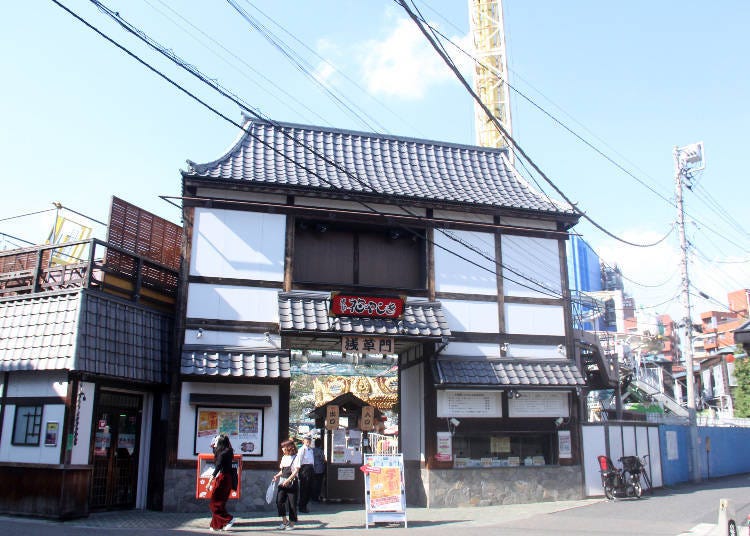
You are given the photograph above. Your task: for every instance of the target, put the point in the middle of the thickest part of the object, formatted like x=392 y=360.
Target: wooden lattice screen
x=146 y=235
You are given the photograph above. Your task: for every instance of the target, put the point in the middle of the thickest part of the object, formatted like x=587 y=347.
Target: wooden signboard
x=332 y=417
x=368 y=418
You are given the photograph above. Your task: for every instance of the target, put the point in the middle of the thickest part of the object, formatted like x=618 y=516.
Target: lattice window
x=27 y=426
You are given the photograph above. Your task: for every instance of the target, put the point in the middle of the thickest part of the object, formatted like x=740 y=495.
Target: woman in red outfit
x=220 y=484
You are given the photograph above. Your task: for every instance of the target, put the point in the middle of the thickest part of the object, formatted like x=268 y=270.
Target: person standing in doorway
x=220 y=484
x=286 y=497
x=305 y=463
x=319 y=466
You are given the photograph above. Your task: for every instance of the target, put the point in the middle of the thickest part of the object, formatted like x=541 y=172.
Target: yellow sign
x=368 y=418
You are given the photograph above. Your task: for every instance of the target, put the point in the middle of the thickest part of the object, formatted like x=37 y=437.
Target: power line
x=506 y=135
x=194 y=71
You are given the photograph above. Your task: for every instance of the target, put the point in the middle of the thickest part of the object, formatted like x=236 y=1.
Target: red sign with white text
x=367 y=306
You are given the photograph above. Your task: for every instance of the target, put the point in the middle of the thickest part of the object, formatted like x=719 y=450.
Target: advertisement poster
x=243 y=426
x=385 y=498
x=385 y=489
x=444 y=447
x=338 y=455
x=564 y=444
x=50 y=435
x=249 y=439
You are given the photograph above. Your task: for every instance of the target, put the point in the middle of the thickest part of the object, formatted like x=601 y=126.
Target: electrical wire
x=192 y=70
x=438 y=48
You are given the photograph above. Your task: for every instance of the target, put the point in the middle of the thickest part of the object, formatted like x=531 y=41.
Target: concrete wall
x=181 y=484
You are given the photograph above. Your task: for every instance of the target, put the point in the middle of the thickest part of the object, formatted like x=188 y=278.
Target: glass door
x=115 y=454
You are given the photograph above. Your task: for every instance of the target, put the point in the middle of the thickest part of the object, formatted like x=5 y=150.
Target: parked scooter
x=625 y=482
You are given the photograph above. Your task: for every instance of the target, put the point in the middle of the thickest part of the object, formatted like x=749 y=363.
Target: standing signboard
x=205 y=469
x=385 y=492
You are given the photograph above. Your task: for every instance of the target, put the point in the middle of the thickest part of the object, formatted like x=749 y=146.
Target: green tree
x=742 y=391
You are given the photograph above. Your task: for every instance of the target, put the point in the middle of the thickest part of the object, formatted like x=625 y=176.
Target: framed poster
x=564 y=444
x=244 y=426
x=51 y=433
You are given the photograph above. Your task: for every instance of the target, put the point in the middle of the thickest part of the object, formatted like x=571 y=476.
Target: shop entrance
x=117 y=437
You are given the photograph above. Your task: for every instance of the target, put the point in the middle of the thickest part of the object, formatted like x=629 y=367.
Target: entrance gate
x=116 y=454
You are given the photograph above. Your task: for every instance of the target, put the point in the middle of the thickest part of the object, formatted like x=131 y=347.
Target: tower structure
x=491 y=71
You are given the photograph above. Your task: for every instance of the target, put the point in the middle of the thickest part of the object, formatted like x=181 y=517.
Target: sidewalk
x=323 y=518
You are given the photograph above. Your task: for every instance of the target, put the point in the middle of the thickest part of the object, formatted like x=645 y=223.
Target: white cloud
x=403 y=64
x=658 y=270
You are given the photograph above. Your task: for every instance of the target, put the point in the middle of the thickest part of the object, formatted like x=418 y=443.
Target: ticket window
x=343 y=447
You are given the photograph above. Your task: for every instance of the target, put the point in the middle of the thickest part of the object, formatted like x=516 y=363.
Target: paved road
x=681 y=511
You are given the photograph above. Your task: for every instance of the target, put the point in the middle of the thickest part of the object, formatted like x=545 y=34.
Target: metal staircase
x=648 y=383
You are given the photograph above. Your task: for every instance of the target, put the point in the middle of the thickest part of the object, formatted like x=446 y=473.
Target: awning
x=304 y=323
x=499 y=373
x=248 y=364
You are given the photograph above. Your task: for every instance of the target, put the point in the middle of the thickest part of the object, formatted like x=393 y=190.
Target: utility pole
x=688 y=159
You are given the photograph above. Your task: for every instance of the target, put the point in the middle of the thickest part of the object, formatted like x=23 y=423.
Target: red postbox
x=205 y=469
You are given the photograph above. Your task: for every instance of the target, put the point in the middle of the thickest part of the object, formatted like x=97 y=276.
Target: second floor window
x=342 y=254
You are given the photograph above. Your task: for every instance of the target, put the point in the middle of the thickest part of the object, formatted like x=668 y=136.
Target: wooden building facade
x=293 y=216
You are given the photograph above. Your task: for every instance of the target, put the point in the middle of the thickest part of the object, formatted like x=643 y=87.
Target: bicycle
x=636 y=467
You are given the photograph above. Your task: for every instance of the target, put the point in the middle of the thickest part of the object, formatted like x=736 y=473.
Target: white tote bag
x=270 y=492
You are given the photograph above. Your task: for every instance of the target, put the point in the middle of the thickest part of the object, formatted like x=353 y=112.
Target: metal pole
x=693 y=456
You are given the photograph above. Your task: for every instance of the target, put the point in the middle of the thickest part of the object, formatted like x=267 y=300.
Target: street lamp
x=688 y=160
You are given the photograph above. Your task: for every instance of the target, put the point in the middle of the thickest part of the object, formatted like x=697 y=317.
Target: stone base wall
x=502 y=485
x=179 y=492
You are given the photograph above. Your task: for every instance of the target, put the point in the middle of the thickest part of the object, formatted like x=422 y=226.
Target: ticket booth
x=344 y=443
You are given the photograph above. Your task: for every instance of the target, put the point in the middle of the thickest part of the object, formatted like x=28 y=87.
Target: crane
x=491 y=71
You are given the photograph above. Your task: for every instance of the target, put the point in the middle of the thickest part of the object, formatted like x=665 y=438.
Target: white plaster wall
x=241 y=196
x=38 y=383
x=525 y=223
x=231 y=338
x=537 y=260
x=454 y=274
x=33 y=454
x=238 y=244
x=533 y=319
x=481 y=317
x=463 y=216
x=228 y=302
x=534 y=351
x=412 y=413
x=186 y=441
x=80 y=453
x=472 y=349
x=594 y=444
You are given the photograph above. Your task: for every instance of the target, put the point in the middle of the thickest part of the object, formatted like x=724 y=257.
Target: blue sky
x=82 y=121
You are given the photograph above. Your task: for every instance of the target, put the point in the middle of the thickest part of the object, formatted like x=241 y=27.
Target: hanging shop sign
x=367 y=345
x=332 y=417
x=368 y=418
x=366 y=306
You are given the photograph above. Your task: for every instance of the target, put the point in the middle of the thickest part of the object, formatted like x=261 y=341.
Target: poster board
x=385 y=491
x=205 y=469
x=244 y=426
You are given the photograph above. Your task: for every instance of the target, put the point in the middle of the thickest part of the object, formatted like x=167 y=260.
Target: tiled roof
x=308 y=311
x=122 y=339
x=39 y=333
x=302 y=157
x=505 y=372
x=236 y=363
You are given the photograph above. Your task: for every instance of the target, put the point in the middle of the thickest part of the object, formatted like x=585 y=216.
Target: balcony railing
x=89 y=264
